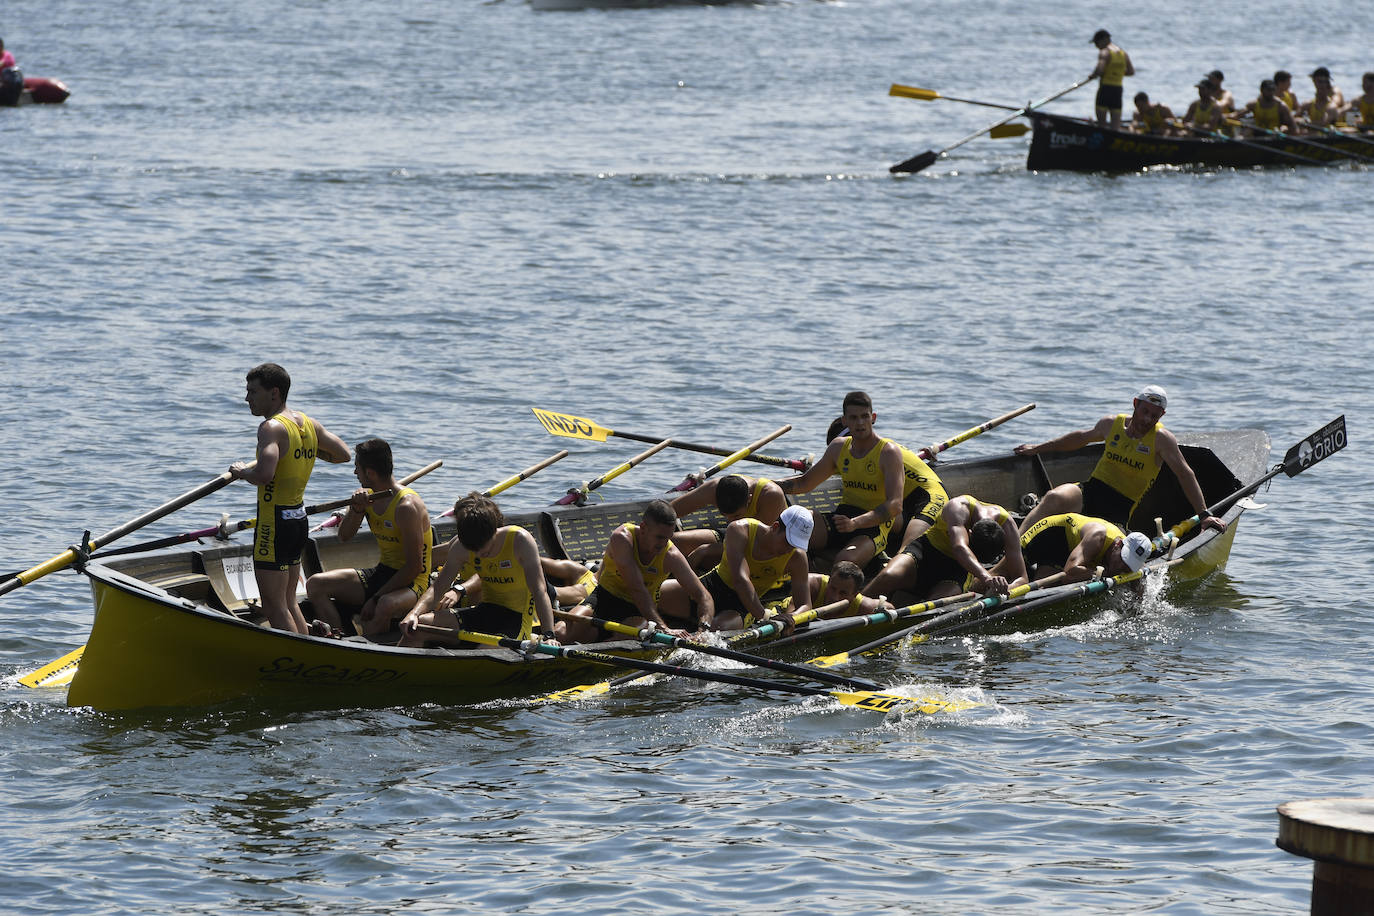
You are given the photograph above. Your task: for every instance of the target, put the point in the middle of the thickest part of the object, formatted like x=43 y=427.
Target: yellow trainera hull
x=148 y=648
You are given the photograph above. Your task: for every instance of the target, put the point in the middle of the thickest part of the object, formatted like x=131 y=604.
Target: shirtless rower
x=968 y=534
x=1078 y=544
x=288 y=443
x=1204 y=112
x=638 y=561
x=881 y=482
x=1224 y=99
x=1113 y=66
x=1268 y=111
x=1137 y=446
x=734 y=496
x=515 y=596
x=400 y=523
x=758 y=558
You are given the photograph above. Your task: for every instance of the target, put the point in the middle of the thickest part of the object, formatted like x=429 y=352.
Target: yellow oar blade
x=1009 y=130
x=892 y=702
x=581 y=692
x=829 y=661
x=57 y=673
x=565 y=424
x=913 y=92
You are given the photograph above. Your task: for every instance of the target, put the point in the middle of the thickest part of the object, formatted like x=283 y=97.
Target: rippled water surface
x=677 y=221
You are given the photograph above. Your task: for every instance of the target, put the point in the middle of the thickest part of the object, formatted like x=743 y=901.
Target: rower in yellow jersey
x=288 y=443
x=1283 y=88
x=734 y=496
x=1152 y=117
x=516 y=600
x=1322 y=85
x=1223 y=97
x=880 y=482
x=842 y=584
x=969 y=534
x=1113 y=66
x=758 y=558
x=1204 y=111
x=1363 y=106
x=1268 y=111
x=1077 y=544
x=640 y=563
x=400 y=523
x=1135 y=450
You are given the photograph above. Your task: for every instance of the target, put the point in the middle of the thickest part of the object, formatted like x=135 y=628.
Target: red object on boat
x=46 y=91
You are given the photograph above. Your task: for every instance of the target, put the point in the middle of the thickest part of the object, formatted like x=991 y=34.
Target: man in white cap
x=1137 y=446
x=757 y=559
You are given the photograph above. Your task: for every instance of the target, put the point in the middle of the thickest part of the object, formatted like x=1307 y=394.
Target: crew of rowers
x=1275 y=110
x=894 y=520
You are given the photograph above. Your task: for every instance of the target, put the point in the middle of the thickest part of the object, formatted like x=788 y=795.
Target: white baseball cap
x=1155 y=395
x=1135 y=550
x=796 y=521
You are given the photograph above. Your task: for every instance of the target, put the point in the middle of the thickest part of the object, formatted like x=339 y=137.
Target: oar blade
x=581 y=692
x=564 y=424
x=829 y=661
x=880 y=701
x=57 y=673
x=1323 y=443
x=916 y=163
x=913 y=92
x=1008 y=130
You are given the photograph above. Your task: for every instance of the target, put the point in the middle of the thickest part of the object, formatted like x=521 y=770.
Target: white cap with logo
x=1135 y=550
x=1153 y=394
x=796 y=521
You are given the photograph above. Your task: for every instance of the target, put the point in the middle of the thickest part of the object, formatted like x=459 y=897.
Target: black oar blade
x=916 y=163
x=1324 y=442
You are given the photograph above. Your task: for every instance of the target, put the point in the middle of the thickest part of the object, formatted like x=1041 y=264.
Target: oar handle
x=694 y=480
x=340 y=503
x=931 y=451
x=578 y=494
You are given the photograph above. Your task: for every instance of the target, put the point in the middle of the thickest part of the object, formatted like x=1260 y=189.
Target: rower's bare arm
x=354 y=513
x=1130 y=67
x=817 y=474
x=271 y=438
x=696 y=499
x=412 y=519
x=798 y=569
x=438 y=594
x=1187 y=480
x=1014 y=570
x=1071 y=440
x=681 y=570
x=771 y=503
x=329 y=446
x=622 y=551
x=527 y=555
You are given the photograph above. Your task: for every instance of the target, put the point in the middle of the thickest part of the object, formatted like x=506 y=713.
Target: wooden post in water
x=1338 y=833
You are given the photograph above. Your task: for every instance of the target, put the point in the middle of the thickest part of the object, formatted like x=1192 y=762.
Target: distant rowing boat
x=175 y=628
x=1077 y=145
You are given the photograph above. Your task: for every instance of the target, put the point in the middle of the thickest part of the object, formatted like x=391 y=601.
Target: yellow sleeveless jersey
x=503 y=581
x=1114 y=74
x=861 y=477
x=383 y=526
x=1203 y=113
x=765 y=574
x=1152 y=119
x=612 y=577
x=823 y=596
x=1290 y=100
x=1367 y=112
x=756 y=494
x=1267 y=118
x=938 y=534
x=1069 y=525
x=297 y=460
x=1128 y=465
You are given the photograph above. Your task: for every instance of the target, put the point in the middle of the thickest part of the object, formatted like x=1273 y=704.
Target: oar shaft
x=1217 y=135
x=69 y=556
x=927 y=454
x=693 y=481
x=340 y=503
x=526 y=474
x=793 y=463
x=1336 y=133
x=1268 y=132
x=580 y=493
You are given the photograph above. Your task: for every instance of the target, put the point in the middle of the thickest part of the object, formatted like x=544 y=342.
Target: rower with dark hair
x=1322 y=85
x=288 y=443
x=969 y=536
x=1137 y=446
x=1113 y=66
x=881 y=482
x=400 y=523
x=1268 y=111
x=1283 y=88
x=1323 y=110
x=734 y=496
x=516 y=600
x=1152 y=118
x=1204 y=112
x=843 y=584
x=638 y=561
x=1224 y=99
x=1363 y=106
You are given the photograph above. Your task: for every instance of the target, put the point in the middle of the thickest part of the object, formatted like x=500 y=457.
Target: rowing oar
x=87 y=546
x=562 y=424
x=1268 y=132
x=930 y=95
x=1331 y=131
x=650 y=636
x=1323 y=443
x=59 y=673
x=930 y=451
x=930 y=157
x=1076 y=590
x=511 y=481
x=963 y=612
x=866 y=699
x=1217 y=135
x=578 y=495
x=693 y=481
x=334 y=520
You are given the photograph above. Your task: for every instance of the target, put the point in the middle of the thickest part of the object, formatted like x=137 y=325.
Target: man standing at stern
x=1113 y=66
